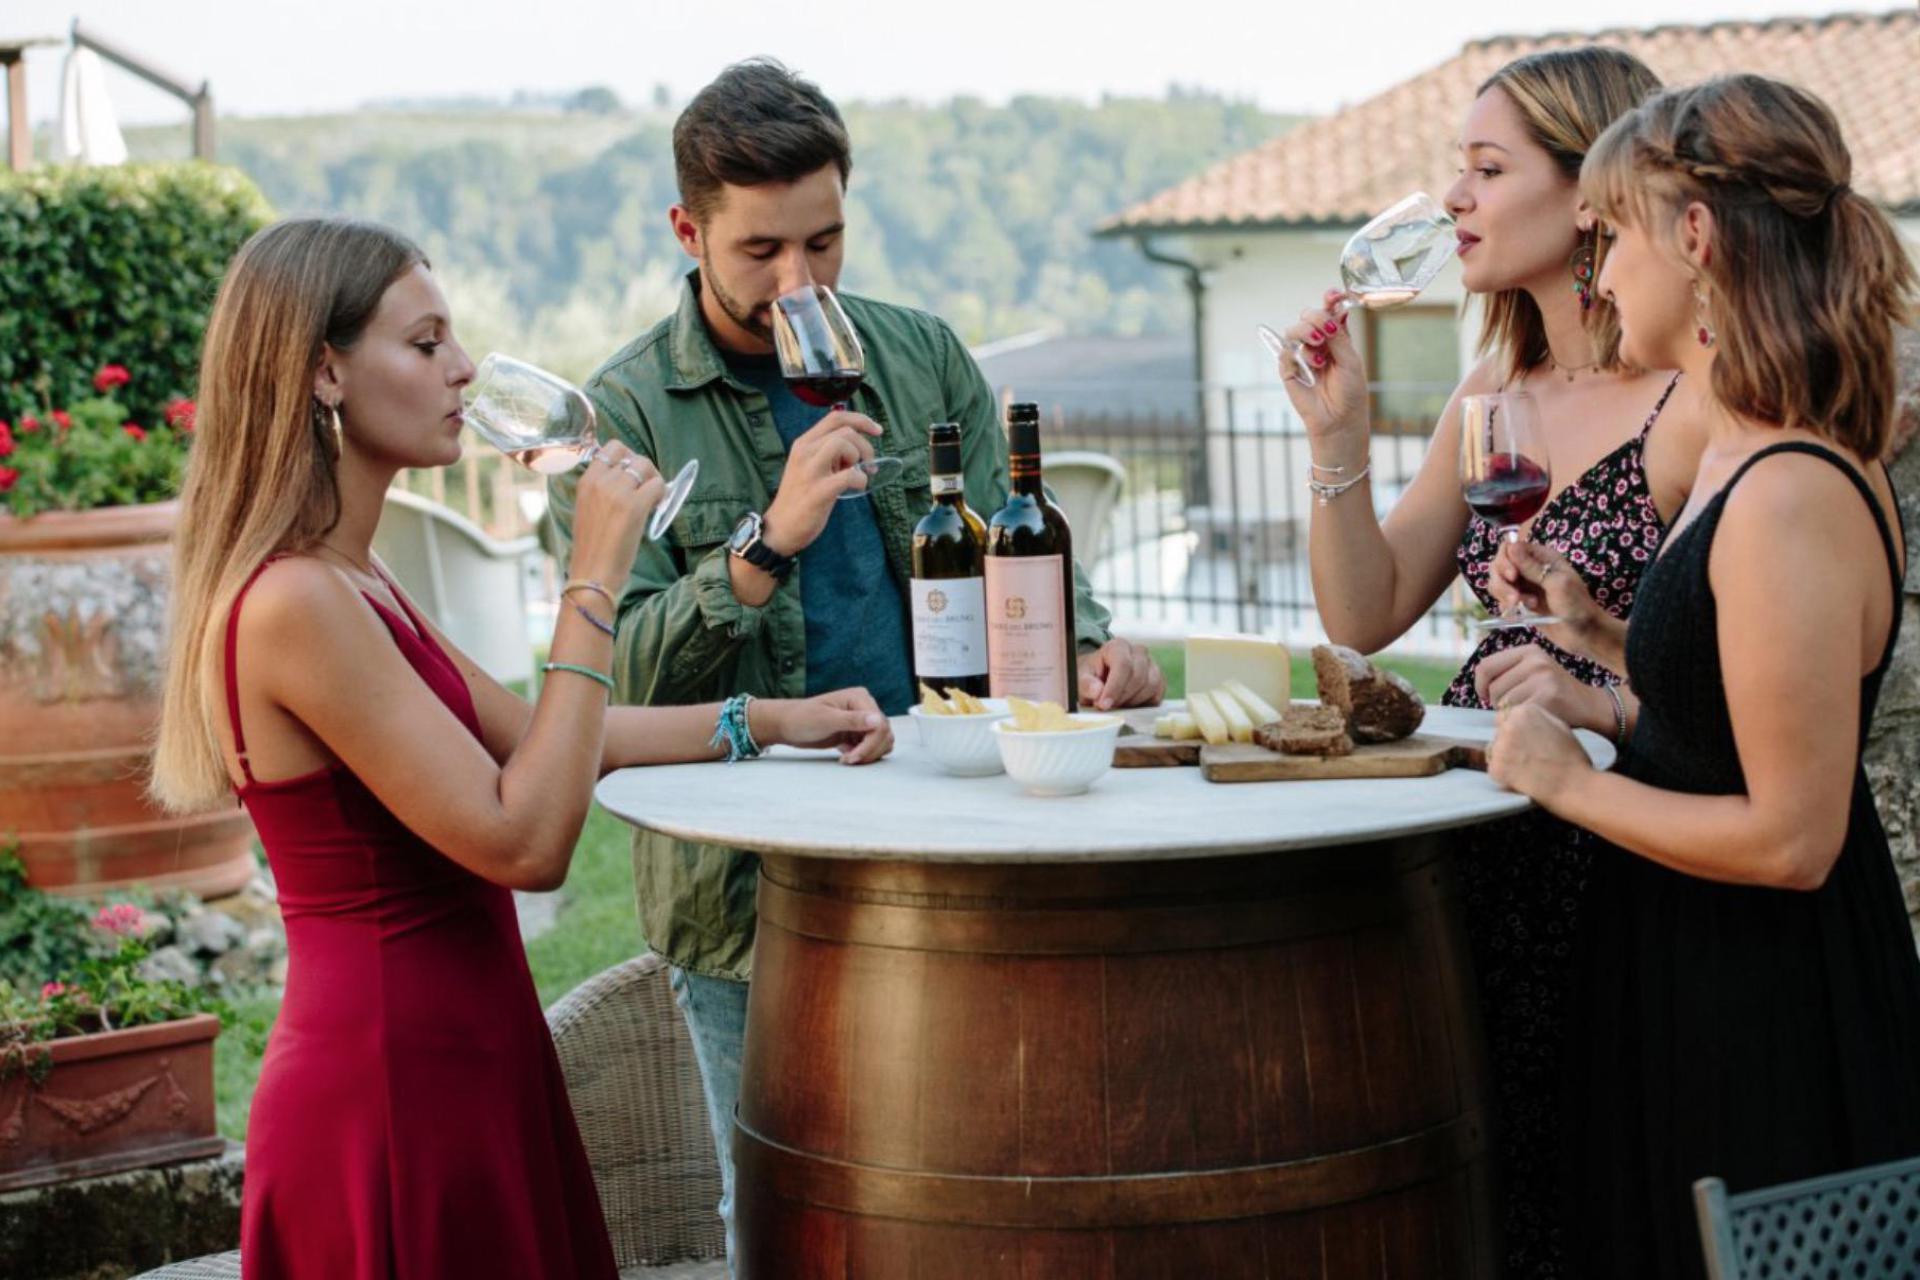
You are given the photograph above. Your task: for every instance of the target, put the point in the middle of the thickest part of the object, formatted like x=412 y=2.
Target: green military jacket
x=682 y=636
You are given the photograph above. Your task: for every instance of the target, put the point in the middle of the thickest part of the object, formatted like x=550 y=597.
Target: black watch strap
x=761 y=556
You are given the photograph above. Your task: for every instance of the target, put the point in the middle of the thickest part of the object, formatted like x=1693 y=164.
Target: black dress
x=1758 y=1035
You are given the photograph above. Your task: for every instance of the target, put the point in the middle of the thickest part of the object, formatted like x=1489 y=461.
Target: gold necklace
x=332 y=550
x=1569 y=370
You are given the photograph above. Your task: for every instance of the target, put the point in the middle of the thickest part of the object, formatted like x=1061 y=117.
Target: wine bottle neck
x=1025 y=472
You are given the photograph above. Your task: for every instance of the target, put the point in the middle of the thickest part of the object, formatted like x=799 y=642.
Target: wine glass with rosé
x=1504 y=475
x=1385 y=264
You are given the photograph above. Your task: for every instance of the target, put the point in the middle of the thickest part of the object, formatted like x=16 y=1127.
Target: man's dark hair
x=756 y=123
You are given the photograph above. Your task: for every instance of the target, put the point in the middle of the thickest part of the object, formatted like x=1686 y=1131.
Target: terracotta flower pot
x=113 y=1101
x=82 y=620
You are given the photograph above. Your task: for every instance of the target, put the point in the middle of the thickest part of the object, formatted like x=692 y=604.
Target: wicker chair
x=635 y=1089
x=1864 y=1223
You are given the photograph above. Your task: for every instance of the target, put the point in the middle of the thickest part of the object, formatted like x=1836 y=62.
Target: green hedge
x=113 y=265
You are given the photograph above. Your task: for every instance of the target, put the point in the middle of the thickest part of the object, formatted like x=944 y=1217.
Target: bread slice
x=1307 y=731
x=1379 y=705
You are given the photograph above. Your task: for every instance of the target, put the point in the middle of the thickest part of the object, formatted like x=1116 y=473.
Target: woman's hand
x=1526 y=573
x=1534 y=752
x=1334 y=409
x=848 y=720
x=1527 y=675
x=617 y=492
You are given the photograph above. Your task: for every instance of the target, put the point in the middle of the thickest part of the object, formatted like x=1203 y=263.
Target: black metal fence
x=1210 y=529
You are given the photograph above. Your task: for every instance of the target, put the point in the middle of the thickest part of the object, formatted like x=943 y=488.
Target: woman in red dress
x=411 y=1119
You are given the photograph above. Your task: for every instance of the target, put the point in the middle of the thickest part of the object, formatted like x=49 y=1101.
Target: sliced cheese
x=1213 y=725
x=1259 y=708
x=1184 y=727
x=1239 y=726
x=1163 y=727
x=1261 y=665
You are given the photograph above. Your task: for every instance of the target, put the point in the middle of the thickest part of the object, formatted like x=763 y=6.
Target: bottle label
x=1026 y=624
x=949 y=627
x=948 y=484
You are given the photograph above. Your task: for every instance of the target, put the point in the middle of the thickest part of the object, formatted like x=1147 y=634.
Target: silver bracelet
x=1325 y=493
x=1619 y=715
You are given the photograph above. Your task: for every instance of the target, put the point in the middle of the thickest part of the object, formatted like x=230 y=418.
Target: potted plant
x=111 y=274
x=102 y=1068
x=86 y=510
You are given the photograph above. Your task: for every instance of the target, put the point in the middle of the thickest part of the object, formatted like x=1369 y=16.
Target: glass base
x=1518 y=618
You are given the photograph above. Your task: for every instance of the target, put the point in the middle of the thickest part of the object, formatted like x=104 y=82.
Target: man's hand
x=1120 y=674
x=822 y=465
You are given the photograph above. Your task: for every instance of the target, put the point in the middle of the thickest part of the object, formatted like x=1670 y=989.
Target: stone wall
x=1893 y=745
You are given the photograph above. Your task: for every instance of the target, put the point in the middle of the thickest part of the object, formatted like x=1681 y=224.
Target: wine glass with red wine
x=1504 y=475
x=821 y=359
x=546 y=424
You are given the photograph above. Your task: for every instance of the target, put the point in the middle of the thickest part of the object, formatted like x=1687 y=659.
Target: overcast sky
x=297 y=56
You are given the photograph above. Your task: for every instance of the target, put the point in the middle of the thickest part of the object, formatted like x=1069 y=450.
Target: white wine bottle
x=1029 y=578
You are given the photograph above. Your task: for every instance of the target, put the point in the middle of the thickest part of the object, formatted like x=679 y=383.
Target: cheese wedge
x=1213 y=725
x=1258 y=708
x=1261 y=665
x=1239 y=725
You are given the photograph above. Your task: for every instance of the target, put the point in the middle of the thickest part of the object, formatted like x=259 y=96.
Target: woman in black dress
x=1748 y=1005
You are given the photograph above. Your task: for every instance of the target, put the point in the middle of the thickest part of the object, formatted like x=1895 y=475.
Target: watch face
x=744 y=533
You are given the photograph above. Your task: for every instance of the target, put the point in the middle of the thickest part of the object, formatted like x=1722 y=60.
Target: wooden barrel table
x=1168 y=1028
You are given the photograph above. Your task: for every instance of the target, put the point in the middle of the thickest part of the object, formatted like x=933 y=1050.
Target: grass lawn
x=597 y=926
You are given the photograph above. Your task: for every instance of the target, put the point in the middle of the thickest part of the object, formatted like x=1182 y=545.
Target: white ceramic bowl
x=962 y=745
x=1059 y=762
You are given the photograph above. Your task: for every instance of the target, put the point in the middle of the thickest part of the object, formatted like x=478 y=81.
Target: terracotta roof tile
x=1345 y=167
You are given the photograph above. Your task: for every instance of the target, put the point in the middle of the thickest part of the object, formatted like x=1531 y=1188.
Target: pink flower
x=29 y=425
x=179 y=414
x=60 y=420
x=134 y=429
x=122 y=919
x=8 y=476
x=52 y=989
x=6 y=438
x=111 y=376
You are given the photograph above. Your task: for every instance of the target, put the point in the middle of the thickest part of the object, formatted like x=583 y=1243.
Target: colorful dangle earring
x=1705 y=334
x=1581 y=265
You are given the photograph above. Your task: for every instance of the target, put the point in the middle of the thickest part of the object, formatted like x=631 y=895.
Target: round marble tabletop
x=906 y=808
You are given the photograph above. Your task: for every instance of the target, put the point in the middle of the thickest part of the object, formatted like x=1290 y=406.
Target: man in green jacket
x=767 y=584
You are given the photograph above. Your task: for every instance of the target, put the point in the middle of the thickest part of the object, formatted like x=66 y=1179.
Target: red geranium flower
x=134 y=429
x=111 y=376
x=179 y=414
x=29 y=425
x=61 y=420
x=52 y=989
x=6 y=438
x=7 y=477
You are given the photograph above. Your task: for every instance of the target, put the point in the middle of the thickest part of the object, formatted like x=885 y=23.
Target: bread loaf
x=1379 y=706
x=1307 y=731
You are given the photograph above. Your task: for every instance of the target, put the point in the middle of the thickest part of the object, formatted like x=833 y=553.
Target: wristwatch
x=745 y=542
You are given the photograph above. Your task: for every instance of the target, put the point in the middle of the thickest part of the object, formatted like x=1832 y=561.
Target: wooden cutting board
x=1419 y=756
x=1137 y=748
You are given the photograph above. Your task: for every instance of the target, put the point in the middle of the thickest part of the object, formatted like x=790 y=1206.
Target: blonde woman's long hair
x=1807 y=280
x=1567 y=98
x=262 y=477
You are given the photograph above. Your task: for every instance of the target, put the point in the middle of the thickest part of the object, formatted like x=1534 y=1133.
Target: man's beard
x=738 y=313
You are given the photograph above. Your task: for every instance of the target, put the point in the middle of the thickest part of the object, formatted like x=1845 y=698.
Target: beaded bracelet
x=1619 y=715
x=1324 y=493
x=579 y=670
x=732 y=731
x=583 y=584
x=599 y=623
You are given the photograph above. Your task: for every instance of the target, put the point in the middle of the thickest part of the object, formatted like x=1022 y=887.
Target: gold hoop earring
x=339 y=436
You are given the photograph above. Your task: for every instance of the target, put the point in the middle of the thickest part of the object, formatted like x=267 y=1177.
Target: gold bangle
x=584 y=584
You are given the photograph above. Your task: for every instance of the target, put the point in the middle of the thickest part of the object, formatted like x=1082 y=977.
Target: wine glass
x=1504 y=476
x=821 y=359
x=546 y=424
x=1386 y=263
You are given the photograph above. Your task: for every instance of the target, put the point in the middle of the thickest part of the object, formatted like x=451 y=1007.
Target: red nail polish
x=1319 y=361
x=1332 y=328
